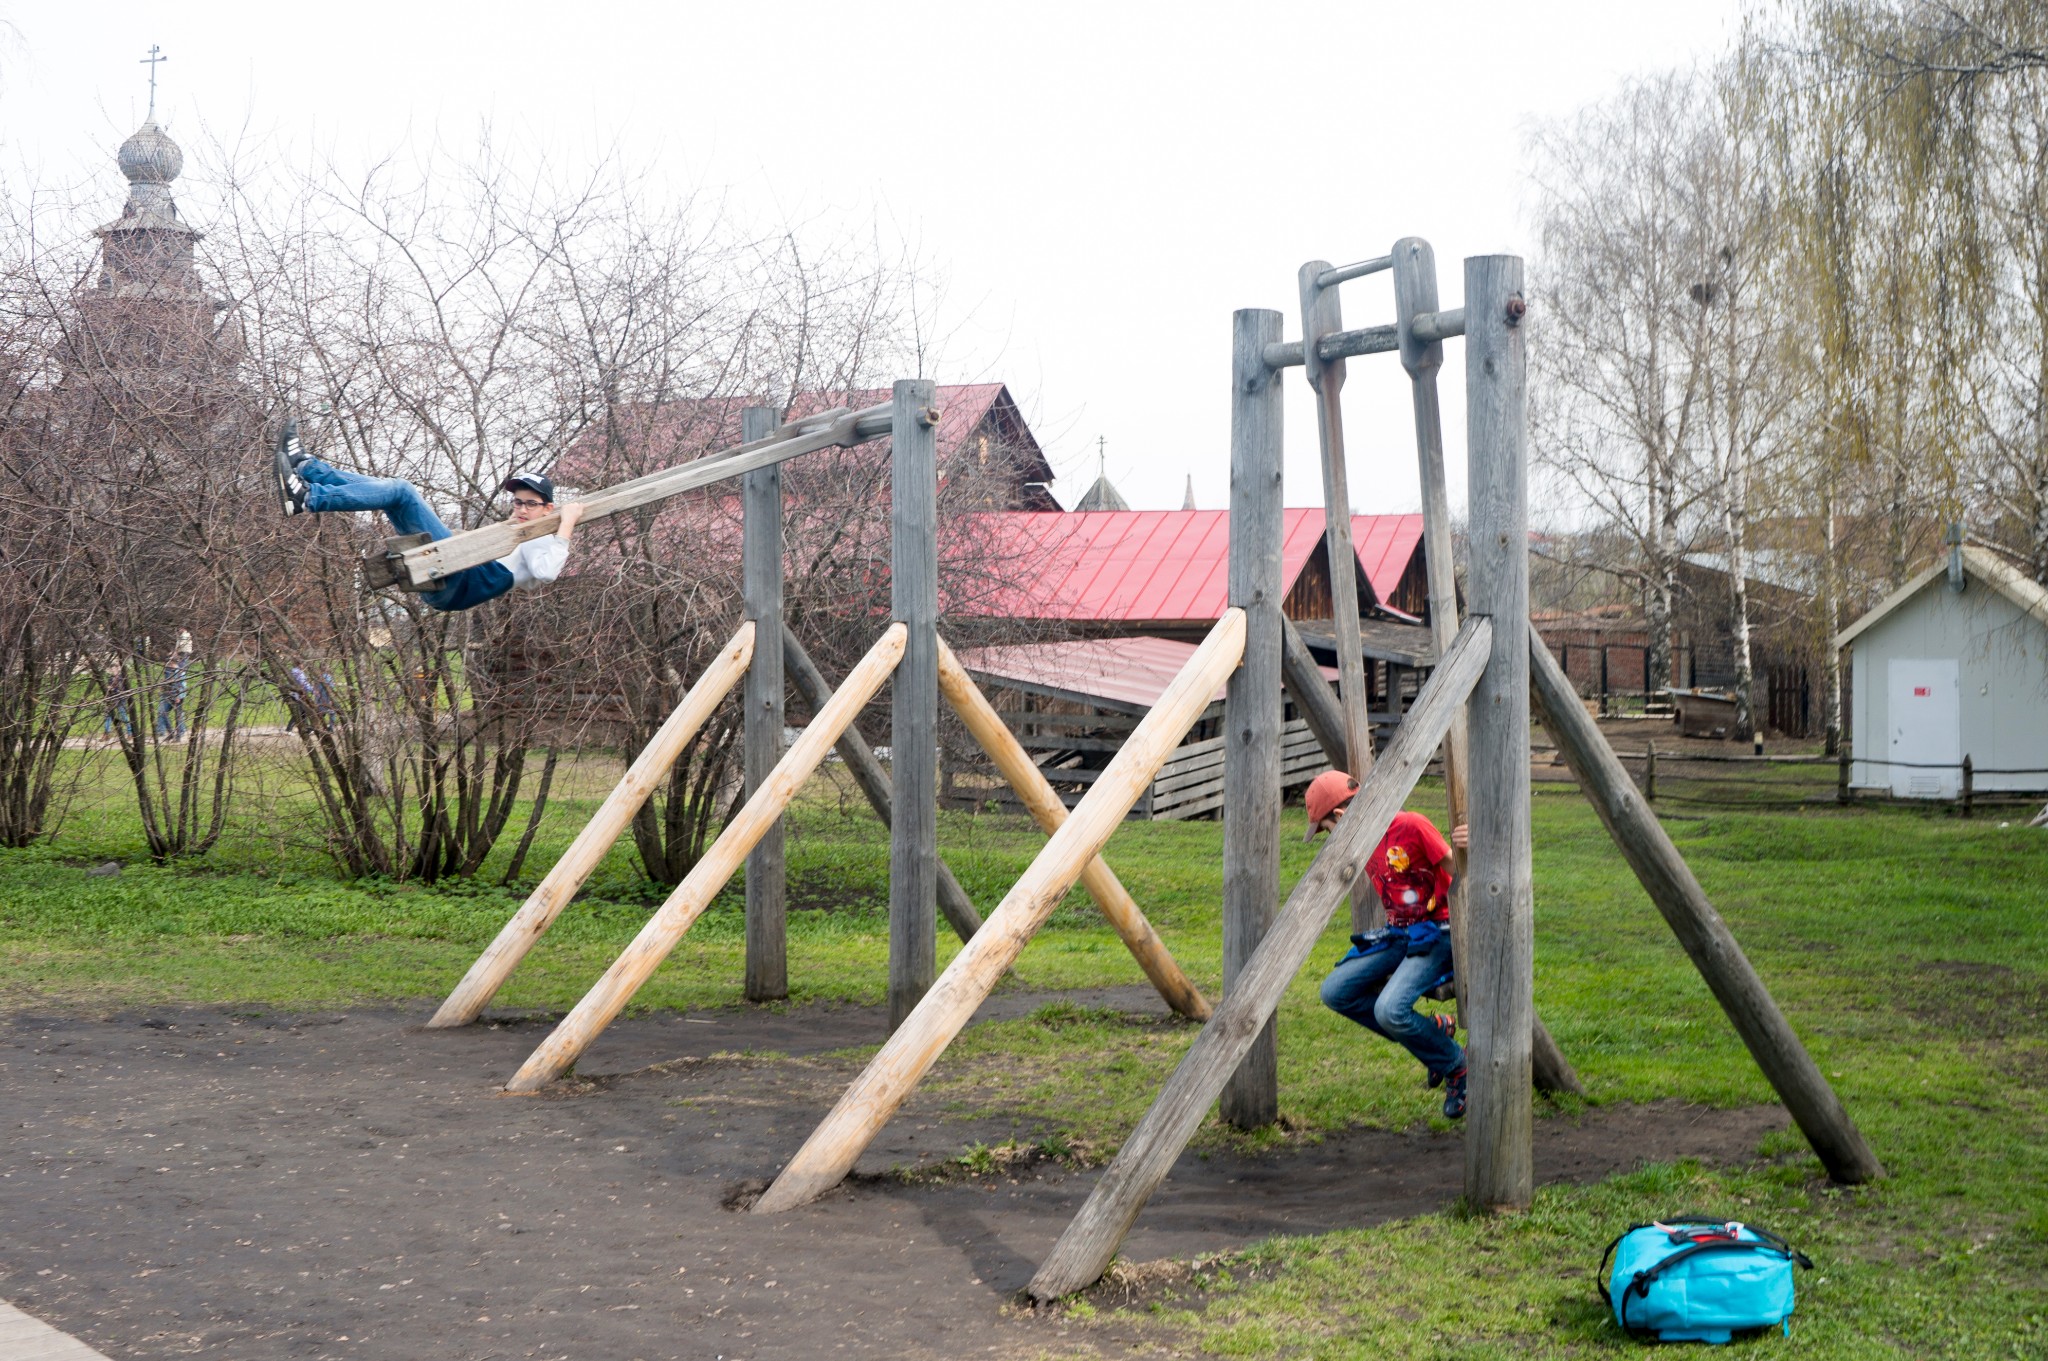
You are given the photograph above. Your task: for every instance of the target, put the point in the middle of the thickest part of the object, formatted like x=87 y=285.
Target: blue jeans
x=328 y=488
x=1378 y=986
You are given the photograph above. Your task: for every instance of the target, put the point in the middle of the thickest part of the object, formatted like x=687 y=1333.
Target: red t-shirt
x=1404 y=872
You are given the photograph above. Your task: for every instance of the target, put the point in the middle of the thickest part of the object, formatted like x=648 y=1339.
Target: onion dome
x=150 y=160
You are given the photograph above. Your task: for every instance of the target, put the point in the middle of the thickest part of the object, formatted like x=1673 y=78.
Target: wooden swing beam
x=420 y=567
x=639 y=960
x=559 y=885
x=950 y=1003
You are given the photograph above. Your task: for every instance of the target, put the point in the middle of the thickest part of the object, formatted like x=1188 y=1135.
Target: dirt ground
x=186 y=1182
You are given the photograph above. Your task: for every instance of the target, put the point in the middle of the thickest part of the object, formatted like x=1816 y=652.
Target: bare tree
x=1620 y=381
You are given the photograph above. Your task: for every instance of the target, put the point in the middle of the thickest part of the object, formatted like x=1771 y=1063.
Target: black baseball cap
x=533 y=482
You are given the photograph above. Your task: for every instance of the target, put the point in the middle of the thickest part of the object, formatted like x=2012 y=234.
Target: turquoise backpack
x=1699 y=1280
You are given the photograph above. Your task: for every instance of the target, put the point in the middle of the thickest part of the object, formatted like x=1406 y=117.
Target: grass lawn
x=1909 y=949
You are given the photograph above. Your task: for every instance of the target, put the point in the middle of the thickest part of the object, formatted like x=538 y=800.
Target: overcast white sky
x=1101 y=184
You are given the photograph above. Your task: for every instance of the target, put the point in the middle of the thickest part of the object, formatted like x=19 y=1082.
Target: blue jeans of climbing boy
x=328 y=488
x=1378 y=984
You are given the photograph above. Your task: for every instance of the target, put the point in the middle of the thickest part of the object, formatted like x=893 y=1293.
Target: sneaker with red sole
x=1447 y=1026
x=1454 y=1095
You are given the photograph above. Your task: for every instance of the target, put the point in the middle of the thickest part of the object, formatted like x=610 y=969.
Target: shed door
x=1927 y=728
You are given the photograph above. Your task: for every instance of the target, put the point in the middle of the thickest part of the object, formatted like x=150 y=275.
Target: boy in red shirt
x=1379 y=982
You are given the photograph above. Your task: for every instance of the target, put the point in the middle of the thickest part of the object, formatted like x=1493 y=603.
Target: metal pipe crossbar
x=1330 y=278
x=1429 y=327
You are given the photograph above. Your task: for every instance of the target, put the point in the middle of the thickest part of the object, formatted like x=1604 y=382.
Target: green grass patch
x=1908 y=947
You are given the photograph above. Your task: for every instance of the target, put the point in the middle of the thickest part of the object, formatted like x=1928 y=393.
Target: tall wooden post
x=1499 y=929
x=1415 y=293
x=1321 y=316
x=767 y=977
x=1252 y=704
x=914 y=697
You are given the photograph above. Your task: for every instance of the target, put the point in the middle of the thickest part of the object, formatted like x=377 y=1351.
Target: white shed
x=1953 y=664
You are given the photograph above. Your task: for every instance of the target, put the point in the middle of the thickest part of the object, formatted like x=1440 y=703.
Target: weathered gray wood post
x=767 y=972
x=1498 y=966
x=1252 y=701
x=1321 y=315
x=914 y=697
x=1415 y=294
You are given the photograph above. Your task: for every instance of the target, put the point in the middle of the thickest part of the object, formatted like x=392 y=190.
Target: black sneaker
x=1454 y=1095
x=291 y=488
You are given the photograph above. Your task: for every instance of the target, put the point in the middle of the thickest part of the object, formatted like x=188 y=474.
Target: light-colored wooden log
x=420 y=568
x=1498 y=966
x=639 y=960
x=914 y=697
x=1043 y=803
x=873 y=780
x=767 y=928
x=1089 y=1242
x=1707 y=941
x=867 y=1105
x=1422 y=353
x=560 y=883
x=1253 y=702
x=1320 y=317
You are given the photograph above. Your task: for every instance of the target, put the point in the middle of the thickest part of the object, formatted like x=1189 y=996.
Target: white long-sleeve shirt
x=536 y=562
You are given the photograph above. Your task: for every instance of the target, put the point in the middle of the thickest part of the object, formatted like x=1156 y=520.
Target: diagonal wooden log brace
x=1707 y=941
x=554 y=891
x=950 y=1003
x=420 y=566
x=1043 y=803
x=721 y=860
x=1085 y=1249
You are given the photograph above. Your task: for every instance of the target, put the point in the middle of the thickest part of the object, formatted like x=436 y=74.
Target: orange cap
x=1327 y=793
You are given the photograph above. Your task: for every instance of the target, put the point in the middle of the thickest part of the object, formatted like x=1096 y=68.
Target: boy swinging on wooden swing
x=306 y=485
x=1378 y=983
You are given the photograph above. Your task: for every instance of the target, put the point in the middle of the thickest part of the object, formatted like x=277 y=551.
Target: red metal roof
x=663 y=434
x=1157 y=565
x=1126 y=671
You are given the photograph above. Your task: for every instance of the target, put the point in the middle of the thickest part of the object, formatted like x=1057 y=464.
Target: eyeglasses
x=527 y=505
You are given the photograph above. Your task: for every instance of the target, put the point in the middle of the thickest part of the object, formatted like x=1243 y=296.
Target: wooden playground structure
x=1475 y=707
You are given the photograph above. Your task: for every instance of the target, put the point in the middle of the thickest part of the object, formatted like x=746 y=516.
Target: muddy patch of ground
x=210 y=1182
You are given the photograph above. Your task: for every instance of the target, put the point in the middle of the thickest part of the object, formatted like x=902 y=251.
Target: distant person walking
x=170 y=702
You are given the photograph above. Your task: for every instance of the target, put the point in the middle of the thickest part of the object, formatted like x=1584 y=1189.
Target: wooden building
x=1134 y=591
x=1953 y=664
